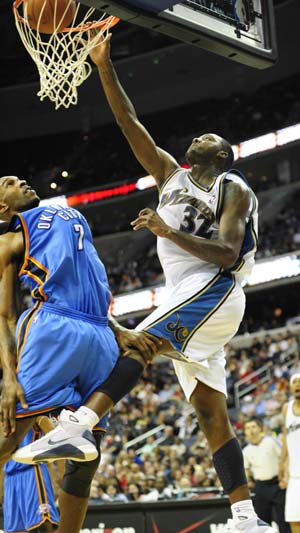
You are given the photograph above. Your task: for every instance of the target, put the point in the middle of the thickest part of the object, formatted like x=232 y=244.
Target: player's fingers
x=140 y=226
x=145 y=211
x=154 y=345
x=134 y=222
x=21 y=398
x=12 y=419
x=5 y=422
x=146 y=349
x=156 y=340
x=140 y=219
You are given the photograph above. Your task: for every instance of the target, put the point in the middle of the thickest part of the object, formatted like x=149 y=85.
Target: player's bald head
x=211 y=149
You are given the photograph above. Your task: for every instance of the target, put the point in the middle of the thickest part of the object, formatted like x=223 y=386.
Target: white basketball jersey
x=292 y=424
x=188 y=206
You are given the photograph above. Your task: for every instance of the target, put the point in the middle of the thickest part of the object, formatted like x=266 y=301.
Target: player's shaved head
x=210 y=149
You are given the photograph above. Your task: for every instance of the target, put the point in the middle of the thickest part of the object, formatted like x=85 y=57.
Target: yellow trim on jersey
x=167 y=179
x=39 y=280
x=202 y=187
x=38 y=264
x=27 y=258
x=208 y=315
x=186 y=302
x=253 y=235
x=26 y=333
x=220 y=198
x=26 y=237
x=37 y=412
x=240 y=266
x=20 y=328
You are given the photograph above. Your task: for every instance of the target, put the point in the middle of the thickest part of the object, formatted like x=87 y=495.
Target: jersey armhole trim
x=26 y=240
x=167 y=179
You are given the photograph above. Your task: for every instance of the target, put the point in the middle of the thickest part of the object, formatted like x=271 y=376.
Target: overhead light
x=65 y=174
x=53 y=185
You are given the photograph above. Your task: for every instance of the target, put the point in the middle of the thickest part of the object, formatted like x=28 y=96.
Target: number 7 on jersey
x=79 y=229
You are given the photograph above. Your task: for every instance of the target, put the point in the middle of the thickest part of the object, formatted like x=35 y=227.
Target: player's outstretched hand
x=151 y=220
x=100 y=54
x=147 y=345
x=12 y=392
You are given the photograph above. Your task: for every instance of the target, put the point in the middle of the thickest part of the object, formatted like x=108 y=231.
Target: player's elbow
x=229 y=258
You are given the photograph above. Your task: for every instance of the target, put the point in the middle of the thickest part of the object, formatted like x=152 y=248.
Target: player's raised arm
x=224 y=250
x=155 y=161
x=10 y=246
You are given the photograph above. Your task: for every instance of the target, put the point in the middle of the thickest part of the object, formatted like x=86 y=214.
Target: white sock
x=86 y=416
x=242 y=510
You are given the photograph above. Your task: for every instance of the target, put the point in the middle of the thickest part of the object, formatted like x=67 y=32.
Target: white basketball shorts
x=292 y=508
x=200 y=315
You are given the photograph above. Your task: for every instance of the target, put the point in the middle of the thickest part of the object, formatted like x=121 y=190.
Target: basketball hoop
x=61 y=57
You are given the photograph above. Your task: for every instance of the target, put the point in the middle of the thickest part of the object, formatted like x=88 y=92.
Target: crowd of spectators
x=174 y=461
x=102 y=156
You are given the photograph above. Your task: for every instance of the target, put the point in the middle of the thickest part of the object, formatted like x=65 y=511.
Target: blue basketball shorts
x=28 y=499
x=63 y=356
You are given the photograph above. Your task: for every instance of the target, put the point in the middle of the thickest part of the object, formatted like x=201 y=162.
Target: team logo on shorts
x=44 y=508
x=180 y=332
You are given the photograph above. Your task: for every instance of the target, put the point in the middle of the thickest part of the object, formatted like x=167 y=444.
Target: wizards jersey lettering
x=187 y=206
x=61 y=264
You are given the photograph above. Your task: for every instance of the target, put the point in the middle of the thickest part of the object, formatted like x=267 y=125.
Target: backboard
x=241 y=30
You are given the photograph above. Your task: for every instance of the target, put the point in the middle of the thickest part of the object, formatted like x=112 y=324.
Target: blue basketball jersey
x=61 y=264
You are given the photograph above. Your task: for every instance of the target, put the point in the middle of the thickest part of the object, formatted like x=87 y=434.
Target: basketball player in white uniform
x=206 y=226
x=290 y=459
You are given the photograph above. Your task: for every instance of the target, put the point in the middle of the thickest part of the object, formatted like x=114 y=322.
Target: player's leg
x=102 y=383
x=263 y=500
x=292 y=508
x=9 y=444
x=278 y=505
x=75 y=491
x=211 y=410
x=295 y=527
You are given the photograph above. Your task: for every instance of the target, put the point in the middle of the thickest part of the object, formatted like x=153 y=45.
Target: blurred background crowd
x=155 y=450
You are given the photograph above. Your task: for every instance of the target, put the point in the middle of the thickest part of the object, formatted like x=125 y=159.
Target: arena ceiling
x=151 y=65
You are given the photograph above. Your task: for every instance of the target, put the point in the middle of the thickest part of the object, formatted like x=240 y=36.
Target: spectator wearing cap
x=261 y=457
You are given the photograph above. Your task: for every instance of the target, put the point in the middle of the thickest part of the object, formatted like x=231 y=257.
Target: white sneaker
x=69 y=440
x=253 y=525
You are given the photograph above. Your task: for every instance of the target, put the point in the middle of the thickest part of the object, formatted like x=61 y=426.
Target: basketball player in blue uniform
x=29 y=502
x=206 y=225
x=64 y=348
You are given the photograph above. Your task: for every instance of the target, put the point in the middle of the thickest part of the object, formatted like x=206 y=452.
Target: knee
x=78 y=477
x=210 y=416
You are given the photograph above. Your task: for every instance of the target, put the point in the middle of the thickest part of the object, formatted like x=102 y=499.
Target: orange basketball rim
x=61 y=55
x=109 y=21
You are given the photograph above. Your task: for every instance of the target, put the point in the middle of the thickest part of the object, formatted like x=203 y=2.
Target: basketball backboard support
x=241 y=30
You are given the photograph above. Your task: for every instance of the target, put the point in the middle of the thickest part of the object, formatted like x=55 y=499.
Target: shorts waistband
x=271 y=481
x=76 y=315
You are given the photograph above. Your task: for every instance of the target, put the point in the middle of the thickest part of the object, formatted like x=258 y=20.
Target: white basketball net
x=61 y=58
